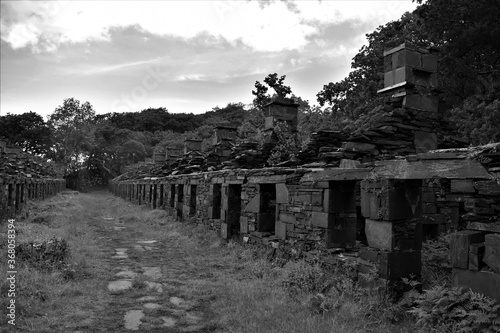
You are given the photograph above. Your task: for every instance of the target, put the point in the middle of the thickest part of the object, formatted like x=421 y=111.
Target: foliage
x=72 y=126
x=478 y=118
x=273 y=81
x=286 y=146
x=357 y=93
x=28 y=131
x=466 y=33
x=436 y=263
x=442 y=309
x=302 y=277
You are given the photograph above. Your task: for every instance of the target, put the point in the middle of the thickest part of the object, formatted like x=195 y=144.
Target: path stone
x=149 y=248
x=119 y=228
x=147 y=298
x=168 y=321
x=126 y=274
x=139 y=248
x=133 y=319
x=192 y=318
x=108 y=218
x=120 y=256
x=119 y=285
x=146 y=241
x=152 y=306
x=154 y=285
x=152 y=272
x=177 y=301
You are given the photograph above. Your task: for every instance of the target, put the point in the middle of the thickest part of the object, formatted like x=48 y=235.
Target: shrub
x=444 y=309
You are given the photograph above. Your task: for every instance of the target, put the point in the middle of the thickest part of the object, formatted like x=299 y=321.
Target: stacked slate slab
x=23 y=177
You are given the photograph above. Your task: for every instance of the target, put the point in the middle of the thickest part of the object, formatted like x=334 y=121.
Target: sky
x=185 y=56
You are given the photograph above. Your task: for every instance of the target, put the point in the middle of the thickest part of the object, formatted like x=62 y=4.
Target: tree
x=357 y=93
x=72 y=125
x=27 y=130
x=272 y=80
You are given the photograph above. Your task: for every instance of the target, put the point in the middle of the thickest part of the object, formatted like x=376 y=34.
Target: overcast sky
x=186 y=56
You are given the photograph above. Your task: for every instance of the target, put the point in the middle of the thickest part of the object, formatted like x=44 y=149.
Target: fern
x=456 y=310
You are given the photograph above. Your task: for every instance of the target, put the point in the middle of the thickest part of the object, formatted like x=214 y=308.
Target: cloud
x=265 y=26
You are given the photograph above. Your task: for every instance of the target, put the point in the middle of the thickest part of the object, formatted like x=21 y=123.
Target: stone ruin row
x=374 y=195
x=24 y=177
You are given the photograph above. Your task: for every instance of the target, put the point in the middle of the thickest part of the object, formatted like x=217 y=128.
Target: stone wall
x=378 y=213
x=24 y=177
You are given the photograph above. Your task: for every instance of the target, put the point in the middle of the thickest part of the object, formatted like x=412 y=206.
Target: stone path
x=148 y=289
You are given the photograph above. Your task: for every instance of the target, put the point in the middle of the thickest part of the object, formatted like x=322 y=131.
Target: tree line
x=466 y=32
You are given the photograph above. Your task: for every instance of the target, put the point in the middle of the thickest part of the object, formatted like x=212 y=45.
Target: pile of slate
x=193 y=161
x=323 y=146
x=247 y=155
x=23 y=165
x=394 y=134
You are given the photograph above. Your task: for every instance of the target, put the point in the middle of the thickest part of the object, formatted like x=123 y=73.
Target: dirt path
x=157 y=275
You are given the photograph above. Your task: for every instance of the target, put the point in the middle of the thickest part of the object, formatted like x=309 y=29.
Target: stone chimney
x=281 y=109
x=411 y=74
x=192 y=145
x=410 y=82
x=224 y=132
x=171 y=154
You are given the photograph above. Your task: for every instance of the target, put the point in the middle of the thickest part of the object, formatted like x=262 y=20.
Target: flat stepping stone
x=133 y=319
x=192 y=329
x=139 y=248
x=147 y=298
x=120 y=256
x=121 y=249
x=126 y=274
x=146 y=241
x=154 y=285
x=108 y=218
x=119 y=228
x=119 y=285
x=152 y=272
x=152 y=306
x=149 y=248
x=193 y=318
x=168 y=321
x=177 y=301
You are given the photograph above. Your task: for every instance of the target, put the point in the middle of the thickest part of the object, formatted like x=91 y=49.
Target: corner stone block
x=323 y=220
x=287 y=218
x=280 y=230
x=243 y=224
x=476 y=255
x=459 y=247
x=282 y=194
x=492 y=251
x=379 y=234
x=225 y=230
x=484 y=282
x=395 y=265
x=430 y=62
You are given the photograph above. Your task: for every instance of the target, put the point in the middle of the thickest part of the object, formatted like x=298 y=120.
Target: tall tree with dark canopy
x=28 y=131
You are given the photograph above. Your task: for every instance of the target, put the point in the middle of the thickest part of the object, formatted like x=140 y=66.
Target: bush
x=443 y=309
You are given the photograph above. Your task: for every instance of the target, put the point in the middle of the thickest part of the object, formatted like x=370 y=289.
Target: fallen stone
x=133 y=319
x=459 y=247
x=119 y=285
x=492 y=251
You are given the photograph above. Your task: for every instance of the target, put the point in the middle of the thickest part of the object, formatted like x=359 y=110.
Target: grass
x=232 y=283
